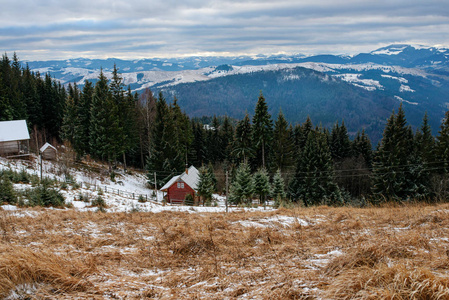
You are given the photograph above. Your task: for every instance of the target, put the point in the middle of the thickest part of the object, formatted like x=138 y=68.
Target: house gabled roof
x=14 y=131
x=191 y=178
x=45 y=146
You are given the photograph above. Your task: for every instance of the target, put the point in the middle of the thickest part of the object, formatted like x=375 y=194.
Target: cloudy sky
x=59 y=29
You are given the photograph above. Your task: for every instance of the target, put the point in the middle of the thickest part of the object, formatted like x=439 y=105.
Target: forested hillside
x=298 y=92
x=265 y=155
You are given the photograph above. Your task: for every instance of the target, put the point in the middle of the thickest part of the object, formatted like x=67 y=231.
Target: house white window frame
x=180 y=185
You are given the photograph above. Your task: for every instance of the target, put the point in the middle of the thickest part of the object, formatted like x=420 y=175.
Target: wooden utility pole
x=40 y=161
x=155 y=184
x=226 y=200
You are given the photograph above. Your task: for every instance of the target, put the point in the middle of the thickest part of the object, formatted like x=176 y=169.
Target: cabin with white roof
x=179 y=186
x=48 y=152
x=14 y=138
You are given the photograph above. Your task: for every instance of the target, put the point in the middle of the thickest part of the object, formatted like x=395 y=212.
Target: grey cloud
x=170 y=28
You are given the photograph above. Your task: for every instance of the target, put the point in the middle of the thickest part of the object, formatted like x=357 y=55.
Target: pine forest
x=265 y=156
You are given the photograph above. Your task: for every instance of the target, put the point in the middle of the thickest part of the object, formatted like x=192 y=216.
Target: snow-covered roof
x=14 y=131
x=45 y=146
x=191 y=178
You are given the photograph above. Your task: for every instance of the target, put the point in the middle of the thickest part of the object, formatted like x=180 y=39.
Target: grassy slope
x=322 y=252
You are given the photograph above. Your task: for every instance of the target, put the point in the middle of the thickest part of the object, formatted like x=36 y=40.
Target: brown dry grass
x=394 y=252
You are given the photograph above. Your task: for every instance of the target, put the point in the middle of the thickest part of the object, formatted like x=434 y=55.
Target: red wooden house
x=179 y=186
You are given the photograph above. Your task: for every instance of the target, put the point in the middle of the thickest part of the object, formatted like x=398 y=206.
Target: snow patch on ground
x=368 y=84
x=275 y=221
x=123 y=197
x=400 y=79
x=405 y=88
x=402 y=100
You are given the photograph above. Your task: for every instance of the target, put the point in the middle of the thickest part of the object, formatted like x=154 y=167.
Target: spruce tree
x=182 y=135
x=261 y=184
x=442 y=146
x=278 y=187
x=314 y=177
x=242 y=186
x=103 y=122
x=361 y=146
x=226 y=135
x=81 y=123
x=70 y=115
x=171 y=136
x=398 y=171
x=262 y=132
x=197 y=151
x=426 y=142
x=243 y=146
x=339 y=144
x=206 y=185
x=7 y=193
x=283 y=147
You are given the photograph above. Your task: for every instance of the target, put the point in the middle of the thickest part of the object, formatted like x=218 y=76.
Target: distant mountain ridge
x=366 y=86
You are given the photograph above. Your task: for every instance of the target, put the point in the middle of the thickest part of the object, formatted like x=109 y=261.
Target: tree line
x=265 y=157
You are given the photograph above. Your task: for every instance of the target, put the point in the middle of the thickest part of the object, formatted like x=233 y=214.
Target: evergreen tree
x=340 y=145
x=262 y=132
x=301 y=132
x=216 y=152
x=119 y=112
x=442 y=146
x=398 y=170
x=242 y=185
x=7 y=193
x=70 y=115
x=206 y=184
x=226 y=135
x=182 y=133
x=361 y=146
x=278 y=187
x=243 y=147
x=171 y=136
x=146 y=115
x=81 y=124
x=314 y=177
x=261 y=184
x=283 y=147
x=103 y=122
x=197 y=153
x=31 y=98
x=425 y=142
x=5 y=107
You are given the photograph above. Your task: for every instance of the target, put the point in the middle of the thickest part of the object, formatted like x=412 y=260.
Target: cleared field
x=395 y=252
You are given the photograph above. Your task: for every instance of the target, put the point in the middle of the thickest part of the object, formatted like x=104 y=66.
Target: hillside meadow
x=392 y=252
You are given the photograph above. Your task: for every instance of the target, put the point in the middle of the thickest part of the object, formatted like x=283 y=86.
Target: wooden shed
x=179 y=186
x=48 y=152
x=14 y=138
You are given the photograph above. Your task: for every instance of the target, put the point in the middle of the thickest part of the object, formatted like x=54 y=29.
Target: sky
x=62 y=29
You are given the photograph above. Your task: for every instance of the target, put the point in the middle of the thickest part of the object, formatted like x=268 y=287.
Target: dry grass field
x=394 y=252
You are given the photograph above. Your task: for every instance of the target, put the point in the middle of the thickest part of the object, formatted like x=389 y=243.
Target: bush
x=84 y=197
x=189 y=200
x=7 y=193
x=44 y=195
x=64 y=186
x=99 y=202
x=142 y=199
x=22 y=177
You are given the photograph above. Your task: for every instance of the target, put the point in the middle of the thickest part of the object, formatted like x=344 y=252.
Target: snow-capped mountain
x=147 y=73
x=416 y=76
